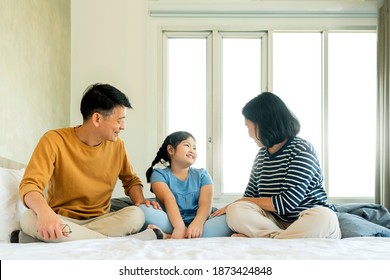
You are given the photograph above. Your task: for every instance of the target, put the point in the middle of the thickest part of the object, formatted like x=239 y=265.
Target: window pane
x=297 y=78
x=187 y=90
x=352 y=117
x=241 y=81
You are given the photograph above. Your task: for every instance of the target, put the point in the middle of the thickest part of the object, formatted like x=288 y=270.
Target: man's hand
x=148 y=203
x=137 y=197
x=49 y=225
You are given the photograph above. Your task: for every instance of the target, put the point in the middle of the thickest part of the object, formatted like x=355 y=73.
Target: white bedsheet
x=222 y=248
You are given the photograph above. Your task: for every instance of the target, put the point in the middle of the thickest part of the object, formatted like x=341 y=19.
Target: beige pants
x=249 y=219
x=128 y=220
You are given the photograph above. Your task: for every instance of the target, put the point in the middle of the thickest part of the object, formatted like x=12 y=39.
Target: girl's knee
x=156 y=217
x=150 y=213
x=144 y=209
x=216 y=226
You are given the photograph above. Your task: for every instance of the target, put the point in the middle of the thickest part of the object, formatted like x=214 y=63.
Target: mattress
x=220 y=248
x=206 y=258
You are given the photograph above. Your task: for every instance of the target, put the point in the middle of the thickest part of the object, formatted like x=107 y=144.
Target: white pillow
x=9 y=199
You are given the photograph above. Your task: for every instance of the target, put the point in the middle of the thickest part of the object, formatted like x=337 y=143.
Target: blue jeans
x=213 y=227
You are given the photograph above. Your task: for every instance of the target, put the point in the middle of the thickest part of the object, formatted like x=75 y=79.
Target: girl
x=284 y=197
x=185 y=193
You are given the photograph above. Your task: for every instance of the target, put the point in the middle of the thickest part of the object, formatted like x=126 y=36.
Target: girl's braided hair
x=162 y=155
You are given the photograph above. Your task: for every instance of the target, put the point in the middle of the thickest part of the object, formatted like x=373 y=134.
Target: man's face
x=112 y=125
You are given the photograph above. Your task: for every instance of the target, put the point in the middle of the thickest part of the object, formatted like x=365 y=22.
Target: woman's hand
x=220 y=211
x=264 y=203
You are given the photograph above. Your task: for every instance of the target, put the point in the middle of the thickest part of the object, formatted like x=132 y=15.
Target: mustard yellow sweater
x=80 y=178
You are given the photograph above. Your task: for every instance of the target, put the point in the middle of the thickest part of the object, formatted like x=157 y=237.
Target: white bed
x=222 y=248
x=226 y=248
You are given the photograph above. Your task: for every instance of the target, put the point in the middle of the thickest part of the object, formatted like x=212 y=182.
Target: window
x=241 y=81
x=352 y=114
x=297 y=72
x=186 y=92
x=327 y=78
x=340 y=111
x=186 y=80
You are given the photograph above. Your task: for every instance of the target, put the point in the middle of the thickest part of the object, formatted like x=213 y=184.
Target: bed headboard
x=8 y=163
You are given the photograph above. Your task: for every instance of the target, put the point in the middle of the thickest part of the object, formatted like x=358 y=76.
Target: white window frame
x=174 y=21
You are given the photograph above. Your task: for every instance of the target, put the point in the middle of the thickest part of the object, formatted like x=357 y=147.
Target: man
x=80 y=166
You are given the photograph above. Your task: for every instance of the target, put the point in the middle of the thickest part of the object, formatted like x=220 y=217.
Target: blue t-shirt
x=186 y=192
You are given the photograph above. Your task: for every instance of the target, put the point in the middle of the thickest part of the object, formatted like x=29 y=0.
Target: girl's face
x=185 y=153
x=252 y=131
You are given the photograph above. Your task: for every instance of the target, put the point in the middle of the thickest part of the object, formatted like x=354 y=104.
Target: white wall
x=109 y=46
x=34 y=73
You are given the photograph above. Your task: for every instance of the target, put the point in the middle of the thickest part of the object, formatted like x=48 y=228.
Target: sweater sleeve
x=40 y=167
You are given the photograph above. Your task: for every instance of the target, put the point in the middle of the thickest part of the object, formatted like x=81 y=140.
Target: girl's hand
x=179 y=233
x=195 y=230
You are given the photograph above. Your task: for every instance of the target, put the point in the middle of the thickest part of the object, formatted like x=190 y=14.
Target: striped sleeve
x=302 y=169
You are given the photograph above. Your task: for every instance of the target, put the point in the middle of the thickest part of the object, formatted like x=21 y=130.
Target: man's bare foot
x=238 y=235
x=159 y=232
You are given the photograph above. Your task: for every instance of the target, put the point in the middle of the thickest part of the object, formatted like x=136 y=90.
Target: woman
x=284 y=197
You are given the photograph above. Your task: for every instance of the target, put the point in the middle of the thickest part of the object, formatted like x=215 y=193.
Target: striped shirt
x=292 y=177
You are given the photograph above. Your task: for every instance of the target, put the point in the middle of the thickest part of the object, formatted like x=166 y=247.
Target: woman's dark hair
x=102 y=98
x=274 y=122
x=162 y=156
